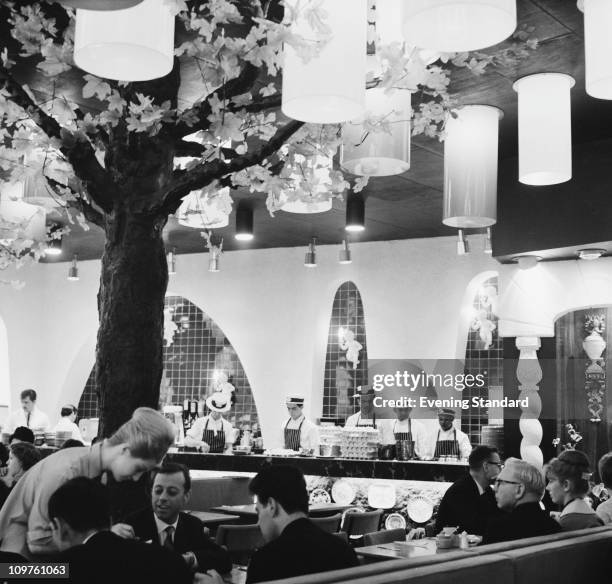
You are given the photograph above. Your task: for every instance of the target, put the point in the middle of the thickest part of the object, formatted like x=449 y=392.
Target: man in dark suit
x=79 y=512
x=469 y=503
x=294 y=545
x=167 y=525
x=519 y=487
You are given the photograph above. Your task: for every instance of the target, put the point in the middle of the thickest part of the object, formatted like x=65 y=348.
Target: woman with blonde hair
x=568 y=483
x=135 y=448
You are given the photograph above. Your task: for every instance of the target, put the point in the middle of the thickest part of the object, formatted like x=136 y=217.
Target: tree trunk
x=129 y=353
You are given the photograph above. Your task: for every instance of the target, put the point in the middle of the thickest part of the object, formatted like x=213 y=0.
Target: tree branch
x=203 y=175
x=232 y=88
x=80 y=154
x=259 y=105
x=91 y=213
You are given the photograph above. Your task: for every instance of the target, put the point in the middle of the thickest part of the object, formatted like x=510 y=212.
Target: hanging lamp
x=135 y=44
x=544 y=128
x=470 y=167
x=597 y=47
x=454 y=26
x=99 y=4
x=329 y=88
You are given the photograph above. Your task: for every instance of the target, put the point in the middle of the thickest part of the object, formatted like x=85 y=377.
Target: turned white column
x=529 y=375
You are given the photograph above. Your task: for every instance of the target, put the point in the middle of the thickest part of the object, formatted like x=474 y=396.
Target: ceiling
x=410 y=205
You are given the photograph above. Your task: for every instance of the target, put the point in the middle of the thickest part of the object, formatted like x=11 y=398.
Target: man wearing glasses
x=470 y=503
x=519 y=487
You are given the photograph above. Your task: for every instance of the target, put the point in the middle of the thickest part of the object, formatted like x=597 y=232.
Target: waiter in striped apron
x=213 y=433
x=449 y=440
x=366 y=416
x=299 y=434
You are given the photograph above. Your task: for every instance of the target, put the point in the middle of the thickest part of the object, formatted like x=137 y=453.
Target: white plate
x=395 y=521
x=381 y=496
x=420 y=509
x=343 y=492
x=319 y=496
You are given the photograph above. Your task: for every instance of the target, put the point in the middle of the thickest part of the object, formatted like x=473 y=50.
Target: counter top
x=416 y=470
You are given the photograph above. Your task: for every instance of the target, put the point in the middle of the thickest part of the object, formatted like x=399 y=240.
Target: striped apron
x=447 y=447
x=216 y=440
x=292 y=436
x=405 y=436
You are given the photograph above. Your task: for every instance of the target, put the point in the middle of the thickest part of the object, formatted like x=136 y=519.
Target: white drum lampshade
x=19 y=219
x=545 y=128
x=458 y=25
x=99 y=4
x=201 y=211
x=329 y=88
x=598 y=47
x=135 y=44
x=384 y=150
x=298 y=199
x=470 y=167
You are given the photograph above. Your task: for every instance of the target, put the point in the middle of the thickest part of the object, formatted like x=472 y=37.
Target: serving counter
x=413 y=470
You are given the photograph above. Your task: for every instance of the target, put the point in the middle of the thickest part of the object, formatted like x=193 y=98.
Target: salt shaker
x=463 y=541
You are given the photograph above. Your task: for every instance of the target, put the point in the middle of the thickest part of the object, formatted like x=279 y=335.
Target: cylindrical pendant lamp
x=99 y=4
x=383 y=147
x=205 y=209
x=470 y=167
x=598 y=47
x=458 y=25
x=330 y=87
x=545 y=128
x=135 y=44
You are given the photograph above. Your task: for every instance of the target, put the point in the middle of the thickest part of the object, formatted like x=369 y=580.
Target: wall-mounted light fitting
x=73 y=271
x=488 y=248
x=244 y=222
x=463 y=247
x=590 y=253
x=355 y=212
x=310 y=259
x=344 y=257
x=526 y=262
x=171 y=258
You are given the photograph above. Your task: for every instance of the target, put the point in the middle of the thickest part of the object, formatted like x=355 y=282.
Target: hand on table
x=210 y=577
x=416 y=533
x=204 y=447
x=123 y=530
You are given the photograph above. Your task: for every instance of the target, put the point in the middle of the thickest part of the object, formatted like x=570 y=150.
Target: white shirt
x=356 y=420
x=432 y=437
x=388 y=428
x=65 y=425
x=161 y=529
x=309 y=435
x=197 y=429
x=604 y=511
x=38 y=420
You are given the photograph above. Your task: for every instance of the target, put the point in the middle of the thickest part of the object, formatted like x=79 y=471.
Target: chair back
x=330 y=524
x=359 y=523
x=384 y=536
x=240 y=541
x=341 y=535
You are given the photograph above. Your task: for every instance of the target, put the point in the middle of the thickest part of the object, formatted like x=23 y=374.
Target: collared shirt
x=577 y=506
x=432 y=437
x=38 y=420
x=309 y=434
x=24 y=519
x=65 y=425
x=478 y=486
x=161 y=528
x=388 y=428
x=357 y=420
x=197 y=429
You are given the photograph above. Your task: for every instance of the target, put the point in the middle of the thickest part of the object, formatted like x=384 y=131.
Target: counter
x=413 y=470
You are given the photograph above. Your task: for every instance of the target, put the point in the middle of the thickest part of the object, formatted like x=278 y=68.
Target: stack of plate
x=39 y=437
x=50 y=438
x=61 y=437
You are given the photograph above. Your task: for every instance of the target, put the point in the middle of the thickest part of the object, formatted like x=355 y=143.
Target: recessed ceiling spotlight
x=526 y=262
x=244 y=222
x=592 y=253
x=355 y=212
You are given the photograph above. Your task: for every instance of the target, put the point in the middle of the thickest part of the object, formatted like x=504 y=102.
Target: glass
x=500 y=481
x=499 y=465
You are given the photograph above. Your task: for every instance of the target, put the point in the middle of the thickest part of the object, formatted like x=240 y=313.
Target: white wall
x=274 y=311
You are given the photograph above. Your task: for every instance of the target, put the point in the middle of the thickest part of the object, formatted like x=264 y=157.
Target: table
x=405 y=549
x=248 y=511
x=213 y=519
x=236 y=576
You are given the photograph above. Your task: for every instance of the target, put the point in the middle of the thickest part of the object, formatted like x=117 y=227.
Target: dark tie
x=28 y=419
x=168 y=542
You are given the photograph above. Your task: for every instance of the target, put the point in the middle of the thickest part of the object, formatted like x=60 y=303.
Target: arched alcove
x=195 y=351
x=342 y=376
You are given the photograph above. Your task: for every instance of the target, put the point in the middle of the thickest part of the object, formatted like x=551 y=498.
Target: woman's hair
x=572 y=466
x=27 y=454
x=148 y=434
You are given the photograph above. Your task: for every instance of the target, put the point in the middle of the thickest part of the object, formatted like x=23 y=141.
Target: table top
x=401 y=550
x=236 y=576
x=209 y=518
x=249 y=510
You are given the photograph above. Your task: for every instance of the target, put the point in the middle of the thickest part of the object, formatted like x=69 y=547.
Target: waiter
x=298 y=432
x=29 y=415
x=366 y=416
x=446 y=439
x=213 y=433
x=404 y=428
